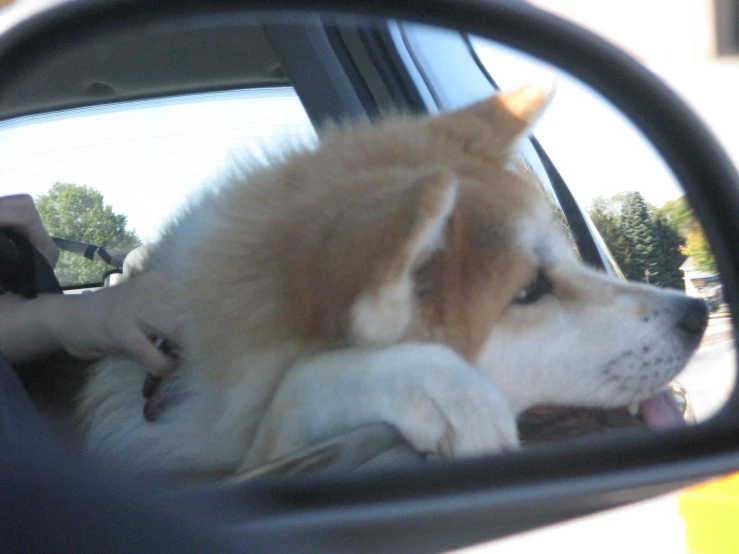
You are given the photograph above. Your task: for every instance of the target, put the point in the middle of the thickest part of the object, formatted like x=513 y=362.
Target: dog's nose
x=693 y=315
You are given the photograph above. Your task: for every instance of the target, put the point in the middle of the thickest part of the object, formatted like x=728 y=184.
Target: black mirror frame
x=525 y=489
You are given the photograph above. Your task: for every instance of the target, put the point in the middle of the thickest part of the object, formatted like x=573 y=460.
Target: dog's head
x=431 y=233
x=427 y=229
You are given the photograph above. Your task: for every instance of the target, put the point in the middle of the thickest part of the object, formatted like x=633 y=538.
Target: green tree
x=641 y=238
x=697 y=248
x=679 y=214
x=696 y=245
x=669 y=244
x=638 y=234
x=79 y=213
x=605 y=215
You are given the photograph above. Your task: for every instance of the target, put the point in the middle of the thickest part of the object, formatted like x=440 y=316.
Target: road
x=709 y=377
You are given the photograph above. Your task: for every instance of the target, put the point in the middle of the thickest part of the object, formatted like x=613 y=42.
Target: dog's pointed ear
x=524 y=105
x=382 y=314
x=507 y=115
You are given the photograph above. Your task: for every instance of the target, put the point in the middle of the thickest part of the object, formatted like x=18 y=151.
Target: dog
x=405 y=271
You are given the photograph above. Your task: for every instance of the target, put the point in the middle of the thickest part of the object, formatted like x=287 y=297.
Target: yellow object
x=711 y=514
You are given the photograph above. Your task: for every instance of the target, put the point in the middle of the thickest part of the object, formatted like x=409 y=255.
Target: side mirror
x=441 y=505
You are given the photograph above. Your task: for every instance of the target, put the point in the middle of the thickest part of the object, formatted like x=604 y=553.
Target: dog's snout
x=693 y=315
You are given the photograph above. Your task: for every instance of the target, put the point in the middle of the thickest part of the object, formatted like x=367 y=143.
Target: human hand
x=19 y=213
x=123 y=319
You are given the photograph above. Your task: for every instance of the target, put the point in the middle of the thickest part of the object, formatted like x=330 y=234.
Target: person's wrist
x=73 y=326
x=50 y=319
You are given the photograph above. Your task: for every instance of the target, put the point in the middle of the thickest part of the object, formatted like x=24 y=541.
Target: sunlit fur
x=372 y=279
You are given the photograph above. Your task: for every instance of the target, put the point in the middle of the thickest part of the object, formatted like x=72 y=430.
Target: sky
x=146 y=157
x=597 y=151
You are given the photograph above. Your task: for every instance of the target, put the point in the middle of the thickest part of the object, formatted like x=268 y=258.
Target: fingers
x=20 y=213
x=151 y=385
x=145 y=310
x=123 y=320
x=141 y=349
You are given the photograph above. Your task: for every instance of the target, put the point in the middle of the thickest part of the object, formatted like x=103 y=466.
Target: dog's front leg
x=438 y=402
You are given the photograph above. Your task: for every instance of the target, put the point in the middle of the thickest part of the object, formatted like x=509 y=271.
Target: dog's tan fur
x=400 y=246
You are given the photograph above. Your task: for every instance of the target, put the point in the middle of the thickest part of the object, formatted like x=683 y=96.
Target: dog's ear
x=506 y=117
x=522 y=106
x=382 y=314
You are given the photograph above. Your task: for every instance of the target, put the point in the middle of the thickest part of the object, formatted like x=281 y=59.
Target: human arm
x=116 y=320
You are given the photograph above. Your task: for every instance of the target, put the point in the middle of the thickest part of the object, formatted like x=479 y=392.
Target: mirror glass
x=147 y=137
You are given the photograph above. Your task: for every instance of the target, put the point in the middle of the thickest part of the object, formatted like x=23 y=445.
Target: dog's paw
x=446 y=406
x=470 y=417
x=439 y=402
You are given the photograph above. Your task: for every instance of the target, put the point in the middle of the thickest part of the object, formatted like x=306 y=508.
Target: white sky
x=596 y=150
x=147 y=157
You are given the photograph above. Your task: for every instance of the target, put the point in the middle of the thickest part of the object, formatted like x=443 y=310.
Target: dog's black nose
x=693 y=315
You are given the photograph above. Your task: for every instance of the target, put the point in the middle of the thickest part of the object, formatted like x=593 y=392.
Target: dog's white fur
x=375 y=279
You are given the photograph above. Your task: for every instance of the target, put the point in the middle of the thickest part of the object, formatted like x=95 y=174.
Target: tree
x=696 y=245
x=670 y=246
x=644 y=241
x=605 y=215
x=79 y=213
x=638 y=234
x=679 y=214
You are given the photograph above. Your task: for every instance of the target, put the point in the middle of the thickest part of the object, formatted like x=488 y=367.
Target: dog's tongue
x=661 y=412
x=546 y=423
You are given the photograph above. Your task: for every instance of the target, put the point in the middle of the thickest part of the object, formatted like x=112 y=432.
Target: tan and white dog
x=403 y=272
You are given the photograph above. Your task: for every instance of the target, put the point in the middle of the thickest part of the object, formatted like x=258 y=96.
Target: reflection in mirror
x=391 y=291
x=610 y=167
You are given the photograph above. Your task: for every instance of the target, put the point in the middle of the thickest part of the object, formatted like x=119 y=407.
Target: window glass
x=112 y=175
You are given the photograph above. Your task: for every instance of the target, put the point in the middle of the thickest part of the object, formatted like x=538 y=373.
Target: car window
x=111 y=175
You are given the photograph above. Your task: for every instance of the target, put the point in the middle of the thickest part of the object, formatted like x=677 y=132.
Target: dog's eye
x=538 y=288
